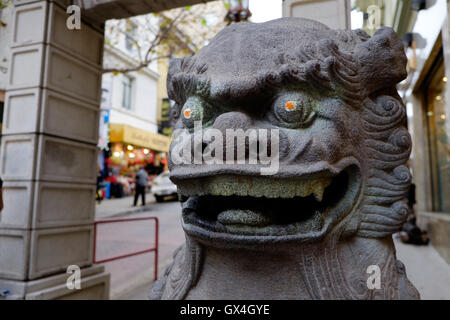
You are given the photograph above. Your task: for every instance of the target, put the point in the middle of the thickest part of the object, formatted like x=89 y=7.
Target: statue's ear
x=382 y=60
x=174 y=68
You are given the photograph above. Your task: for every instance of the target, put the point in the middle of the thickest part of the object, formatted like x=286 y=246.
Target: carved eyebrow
x=267 y=84
x=310 y=76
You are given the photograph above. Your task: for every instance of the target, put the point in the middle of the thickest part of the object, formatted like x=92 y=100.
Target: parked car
x=162 y=187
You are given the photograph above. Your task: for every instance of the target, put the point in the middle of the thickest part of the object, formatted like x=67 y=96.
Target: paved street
x=121 y=206
x=122 y=238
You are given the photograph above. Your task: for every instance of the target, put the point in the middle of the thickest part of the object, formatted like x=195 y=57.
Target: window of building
x=439 y=148
x=127 y=92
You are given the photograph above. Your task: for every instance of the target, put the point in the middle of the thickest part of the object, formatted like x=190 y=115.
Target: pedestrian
x=141 y=185
x=100 y=185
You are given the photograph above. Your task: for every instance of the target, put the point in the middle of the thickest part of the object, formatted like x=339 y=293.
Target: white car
x=162 y=187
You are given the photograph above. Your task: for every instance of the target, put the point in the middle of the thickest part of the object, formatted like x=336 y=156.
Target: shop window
x=439 y=147
x=127 y=91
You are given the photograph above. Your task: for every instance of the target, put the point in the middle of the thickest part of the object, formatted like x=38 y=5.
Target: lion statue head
x=323 y=105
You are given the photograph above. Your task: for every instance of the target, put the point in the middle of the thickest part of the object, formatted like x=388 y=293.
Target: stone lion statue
x=321 y=226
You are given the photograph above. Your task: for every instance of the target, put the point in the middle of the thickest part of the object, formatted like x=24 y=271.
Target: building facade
x=426 y=93
x=128 y=128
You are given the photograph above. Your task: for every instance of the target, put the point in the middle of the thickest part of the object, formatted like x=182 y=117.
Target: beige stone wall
x=333 y=13
x=6 y=17
x=48 y=152
x=163 y=67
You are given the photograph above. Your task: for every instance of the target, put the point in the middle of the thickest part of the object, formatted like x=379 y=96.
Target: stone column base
x=94 y=286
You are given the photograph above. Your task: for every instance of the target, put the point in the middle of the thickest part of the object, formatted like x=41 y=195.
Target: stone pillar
x=334 y=13
x=48 y=156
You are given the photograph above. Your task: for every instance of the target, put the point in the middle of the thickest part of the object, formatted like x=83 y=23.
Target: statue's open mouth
x=255 y=208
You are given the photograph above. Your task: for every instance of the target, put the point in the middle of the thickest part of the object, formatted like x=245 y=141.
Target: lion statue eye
x=294 y=111
x=192 y=111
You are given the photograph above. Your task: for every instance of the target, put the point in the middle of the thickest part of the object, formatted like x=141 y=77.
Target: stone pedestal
x=48 y=155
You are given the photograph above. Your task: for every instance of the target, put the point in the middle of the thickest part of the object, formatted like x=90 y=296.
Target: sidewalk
x=121 y=206
x=135 y=273
x=426 y=269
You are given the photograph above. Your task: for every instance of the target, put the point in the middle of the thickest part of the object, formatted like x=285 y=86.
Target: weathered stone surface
x=315 y=228
x=48 y=161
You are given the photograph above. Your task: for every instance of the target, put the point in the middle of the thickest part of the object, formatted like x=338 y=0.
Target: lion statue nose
x=233 y=120
x=243 y=139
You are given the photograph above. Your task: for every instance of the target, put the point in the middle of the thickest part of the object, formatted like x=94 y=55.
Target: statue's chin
x=303 y=209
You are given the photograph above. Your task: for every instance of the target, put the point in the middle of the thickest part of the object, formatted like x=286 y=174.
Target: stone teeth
x=303 y=188
x=243 y=217
x=256 y=187
x=318 y=193
x=318 y=188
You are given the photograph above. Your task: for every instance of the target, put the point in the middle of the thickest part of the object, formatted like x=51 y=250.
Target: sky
x=265 y=10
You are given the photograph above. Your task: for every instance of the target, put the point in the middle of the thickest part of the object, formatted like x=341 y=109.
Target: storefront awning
x=138 y=137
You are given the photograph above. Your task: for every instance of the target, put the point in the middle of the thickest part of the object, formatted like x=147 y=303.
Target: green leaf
x=4 y=4
x=204 y=22
x=188 y=8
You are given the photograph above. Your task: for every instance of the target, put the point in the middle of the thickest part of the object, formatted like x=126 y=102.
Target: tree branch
x=162 y=34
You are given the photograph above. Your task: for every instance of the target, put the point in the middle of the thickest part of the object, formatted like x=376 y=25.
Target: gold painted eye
x=196 y=111
x=187 y=113
x=294 y=110
x=289 y=106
